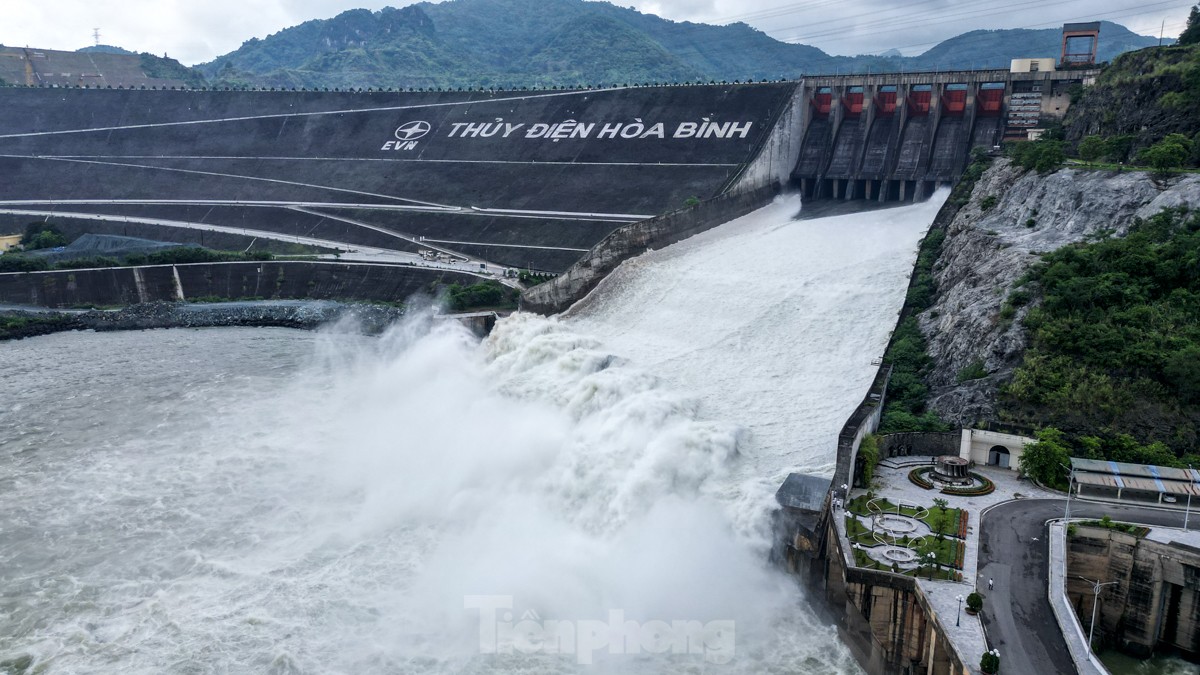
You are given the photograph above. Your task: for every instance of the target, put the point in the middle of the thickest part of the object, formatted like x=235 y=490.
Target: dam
x=308 y=527
x=524 y=179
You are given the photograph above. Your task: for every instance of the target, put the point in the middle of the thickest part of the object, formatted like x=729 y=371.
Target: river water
x=585 y=494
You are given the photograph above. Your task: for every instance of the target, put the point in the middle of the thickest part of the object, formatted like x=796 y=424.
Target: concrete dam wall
x=523 y=179
x=897 y=136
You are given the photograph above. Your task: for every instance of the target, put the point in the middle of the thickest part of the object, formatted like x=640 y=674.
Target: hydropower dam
x=291 y=502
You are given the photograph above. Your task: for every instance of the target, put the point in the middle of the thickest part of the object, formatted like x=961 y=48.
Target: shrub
x=483 y=294
x=13 y=262
x=990 y=663
x=975 y=602
x=987 y=488
x=916 y=476
x=868 y=451
x=974 y=370
x=988 y=203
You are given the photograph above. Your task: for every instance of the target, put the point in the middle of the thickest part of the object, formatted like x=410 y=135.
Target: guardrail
x=1085 y=661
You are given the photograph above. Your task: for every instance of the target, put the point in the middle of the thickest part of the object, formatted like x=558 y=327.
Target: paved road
x=1014 y=551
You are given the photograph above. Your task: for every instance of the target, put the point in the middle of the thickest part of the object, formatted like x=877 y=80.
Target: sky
x=195 y=31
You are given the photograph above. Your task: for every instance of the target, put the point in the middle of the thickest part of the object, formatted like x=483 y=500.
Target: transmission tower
x=96 y=36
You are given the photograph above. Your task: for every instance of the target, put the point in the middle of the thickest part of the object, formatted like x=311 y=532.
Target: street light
x=1096 y=588
x=1070 y=482
x=930 y=556
x=958 y=620
x=1192 y=481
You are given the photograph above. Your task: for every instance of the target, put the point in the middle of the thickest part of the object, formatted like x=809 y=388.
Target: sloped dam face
x=578 y=494
x=525 y=179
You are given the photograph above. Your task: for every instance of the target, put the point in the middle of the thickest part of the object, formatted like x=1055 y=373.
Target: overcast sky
x=195 y=31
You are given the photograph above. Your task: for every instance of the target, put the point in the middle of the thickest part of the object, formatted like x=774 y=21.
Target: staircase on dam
x=897 y=136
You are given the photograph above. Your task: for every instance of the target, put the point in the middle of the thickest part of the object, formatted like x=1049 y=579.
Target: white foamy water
x=773 y=323
x=262 y=500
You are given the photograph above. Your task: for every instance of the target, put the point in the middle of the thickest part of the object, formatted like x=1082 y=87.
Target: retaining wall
x=267 y=280
x=932 y=443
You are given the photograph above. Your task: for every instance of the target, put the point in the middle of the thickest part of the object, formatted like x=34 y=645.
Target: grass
x=1113 y=166
x=951 y=519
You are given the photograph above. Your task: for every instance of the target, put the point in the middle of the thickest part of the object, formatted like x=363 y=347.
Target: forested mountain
x=510 y=43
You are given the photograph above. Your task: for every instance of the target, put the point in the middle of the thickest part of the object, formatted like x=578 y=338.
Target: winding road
x=1014 y=552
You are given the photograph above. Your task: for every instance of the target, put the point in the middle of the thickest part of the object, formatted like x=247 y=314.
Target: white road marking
x=484 y=243
x=456 y=210
x=308 y=114
x=254 y=178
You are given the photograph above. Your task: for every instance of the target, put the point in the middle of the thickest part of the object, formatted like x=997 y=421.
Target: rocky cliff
x=974 y=334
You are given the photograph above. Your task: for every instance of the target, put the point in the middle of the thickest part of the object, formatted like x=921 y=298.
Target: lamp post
x=958 y=619
x=1187 y=512
x=1096 y=588
x=929 y=557
x=1070 y=482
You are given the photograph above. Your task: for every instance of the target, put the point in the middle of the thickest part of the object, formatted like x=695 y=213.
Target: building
x=1134 y=482
x=993 y=448
x=8 y=241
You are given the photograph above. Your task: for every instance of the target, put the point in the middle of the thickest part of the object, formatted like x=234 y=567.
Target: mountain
x=513 y=43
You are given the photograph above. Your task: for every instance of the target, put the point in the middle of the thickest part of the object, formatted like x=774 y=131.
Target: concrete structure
x=897 y=136
x=1079 y=44
x=886 y=619
x=993 y=448
x=454 y=168
x=1156 y=601
x=1042 y=65
x=8 y=241
x=234 y=280
x=1134 y=482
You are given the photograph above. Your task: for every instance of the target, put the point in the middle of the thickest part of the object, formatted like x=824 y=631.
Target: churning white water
x=572 y=495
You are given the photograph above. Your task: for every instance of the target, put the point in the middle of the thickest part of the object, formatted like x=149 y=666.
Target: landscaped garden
x=907 y=538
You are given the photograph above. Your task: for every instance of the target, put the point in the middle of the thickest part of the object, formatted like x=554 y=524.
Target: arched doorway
x=999 y=456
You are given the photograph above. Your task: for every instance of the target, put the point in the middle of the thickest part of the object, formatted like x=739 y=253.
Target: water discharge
x=262 y=500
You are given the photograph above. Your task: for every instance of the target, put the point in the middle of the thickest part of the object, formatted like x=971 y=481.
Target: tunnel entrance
x=999 y=456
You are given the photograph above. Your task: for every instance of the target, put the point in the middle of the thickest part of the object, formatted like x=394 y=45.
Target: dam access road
x=1014 y=551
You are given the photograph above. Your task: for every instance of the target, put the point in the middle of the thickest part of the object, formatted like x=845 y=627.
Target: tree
x=42 y=235
x=1043 y=461
x=1091 y=148
x=1169 y=153
x=1191 y=34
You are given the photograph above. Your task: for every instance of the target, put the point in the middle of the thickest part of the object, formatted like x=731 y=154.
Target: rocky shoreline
x=19 y=323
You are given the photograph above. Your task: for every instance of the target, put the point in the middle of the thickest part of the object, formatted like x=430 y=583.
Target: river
x=581 y=494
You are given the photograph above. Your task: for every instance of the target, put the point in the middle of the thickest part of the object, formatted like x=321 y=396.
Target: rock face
x=1013 y=216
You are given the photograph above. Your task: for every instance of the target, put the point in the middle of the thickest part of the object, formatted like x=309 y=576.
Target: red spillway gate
x=885 y=101
x=852 y=102
x=954 y=99
x=990 y=102
x=823 y=102
x=920 y=100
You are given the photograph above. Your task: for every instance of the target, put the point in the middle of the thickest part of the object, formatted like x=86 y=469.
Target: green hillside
x=514 y=43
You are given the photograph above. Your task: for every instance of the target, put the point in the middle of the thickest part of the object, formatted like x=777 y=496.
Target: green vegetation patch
x=1114 y=356
x=488 y=294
